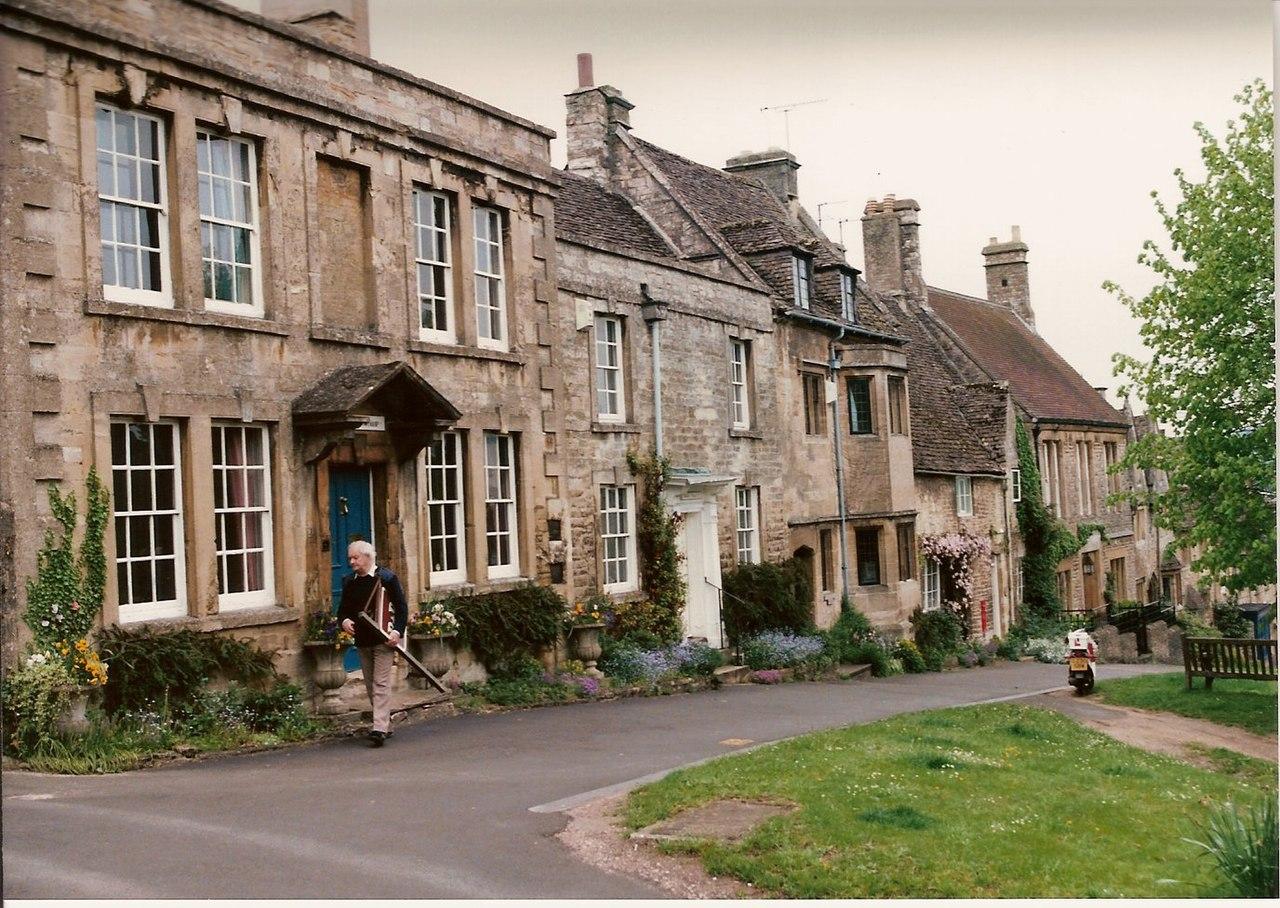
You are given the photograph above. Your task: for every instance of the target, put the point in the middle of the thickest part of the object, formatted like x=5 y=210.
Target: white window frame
x=848 y=302
x=746 y=500
x=964 y=496
x=425 y=231
x=452 y=441
x=495 y=472
x=802 y=281
x=490 y=238
x=166 y=608
x=617 y=517
x=266 y=595
x=932 y=596
x=1015 y=484
x=163 y=297
x=1018 y=584
x=256 y=308
x=739 y=374
x=609 y=364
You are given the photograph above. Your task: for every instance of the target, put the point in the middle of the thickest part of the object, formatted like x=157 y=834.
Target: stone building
x=1076 y=434
x=281 y=296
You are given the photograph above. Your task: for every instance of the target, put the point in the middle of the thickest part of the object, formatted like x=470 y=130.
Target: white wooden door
x=701 y=565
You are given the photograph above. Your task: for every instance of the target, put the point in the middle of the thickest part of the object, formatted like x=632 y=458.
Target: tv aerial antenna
x=786 y=114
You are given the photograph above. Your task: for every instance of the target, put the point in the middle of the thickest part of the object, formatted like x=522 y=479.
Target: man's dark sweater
x=356 y=592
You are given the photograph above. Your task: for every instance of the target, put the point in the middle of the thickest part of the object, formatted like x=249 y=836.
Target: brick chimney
x=1006 y=265
x=774 y=167
x=592 y=113
x=891 y=247
x=341 y=22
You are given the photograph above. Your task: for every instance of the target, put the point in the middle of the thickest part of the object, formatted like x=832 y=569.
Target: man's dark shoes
x=377 y=738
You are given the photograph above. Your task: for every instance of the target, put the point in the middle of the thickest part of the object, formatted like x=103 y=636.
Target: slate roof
x=1041 y=381
x=342 y=391
x=753 y=222
x=589 y=213
x=943 y=438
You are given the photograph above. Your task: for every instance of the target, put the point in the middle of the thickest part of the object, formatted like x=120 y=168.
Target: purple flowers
x=766 y=676
x=779 y=649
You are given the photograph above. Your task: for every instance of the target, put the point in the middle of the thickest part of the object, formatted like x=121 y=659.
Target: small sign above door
x=372 y=424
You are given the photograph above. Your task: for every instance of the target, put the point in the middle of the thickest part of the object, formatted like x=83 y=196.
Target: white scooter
x=1082 y=658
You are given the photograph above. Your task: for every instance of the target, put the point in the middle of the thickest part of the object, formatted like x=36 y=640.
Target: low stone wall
x=1165 y=643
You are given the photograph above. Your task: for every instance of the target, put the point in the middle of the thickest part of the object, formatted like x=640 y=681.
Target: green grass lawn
x=1245 y=704
x=990 y=801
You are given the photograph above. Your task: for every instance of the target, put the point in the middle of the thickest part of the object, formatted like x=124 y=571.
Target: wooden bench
x=1225 y=657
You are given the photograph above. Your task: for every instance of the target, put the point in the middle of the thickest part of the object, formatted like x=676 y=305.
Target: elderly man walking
x=377 y=656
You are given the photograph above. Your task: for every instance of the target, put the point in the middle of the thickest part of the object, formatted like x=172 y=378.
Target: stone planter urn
x=584 y=645
x=435 y=653
x=75 y=720
x=328 y=675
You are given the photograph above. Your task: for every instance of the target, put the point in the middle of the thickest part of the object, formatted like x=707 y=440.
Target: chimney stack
x=1007 y=282
x=341 y=22
x=774 y=167
x=593 y=113
x=891 y=247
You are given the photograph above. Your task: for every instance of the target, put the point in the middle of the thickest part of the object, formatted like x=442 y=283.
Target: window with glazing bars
x=802 y=280
x=859 y=390
x=242 y=515
x=132 y=206
x=500 y=505
x=226 y=172
x=431 y=226
x=815 y=419
x=617 y=539
x=747 y=499
x=740 y=354
x=490 y=306
x=147 y=507
x=445 y=516
x=610 y=384
x=868 y=549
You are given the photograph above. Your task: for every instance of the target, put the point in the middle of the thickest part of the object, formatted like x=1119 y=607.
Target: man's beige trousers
x=377 y=662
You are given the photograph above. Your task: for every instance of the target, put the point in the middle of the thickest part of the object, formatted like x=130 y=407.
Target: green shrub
x=1243 y=845
x=1231 y=621
x=870 y=653
x=279 y=710
x=697 y=659
x=1193 y=626
x=765 y=597
x=171 y=668
x=779 y=649
x=909 y=654
x=620 y=660
x=647 y=625
x=937 y=634
x=500 y=626
x=33 y=697
x=851 y=630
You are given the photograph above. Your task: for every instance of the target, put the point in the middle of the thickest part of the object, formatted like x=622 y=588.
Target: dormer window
x=848 y=308
x=802 y=280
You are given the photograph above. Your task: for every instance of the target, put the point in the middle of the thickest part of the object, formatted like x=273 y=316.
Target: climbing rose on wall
x=956 y=554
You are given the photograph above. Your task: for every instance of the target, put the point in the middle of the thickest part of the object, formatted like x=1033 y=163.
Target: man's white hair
x=361 y=547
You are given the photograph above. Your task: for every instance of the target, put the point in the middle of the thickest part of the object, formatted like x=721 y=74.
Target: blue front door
x=350 y=519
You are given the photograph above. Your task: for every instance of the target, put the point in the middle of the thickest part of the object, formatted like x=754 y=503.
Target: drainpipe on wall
x=833 y=365
x=654 y=313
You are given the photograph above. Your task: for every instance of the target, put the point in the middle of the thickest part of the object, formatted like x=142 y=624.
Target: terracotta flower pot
x=584 y=644
x=328 y=675
x=435 y=653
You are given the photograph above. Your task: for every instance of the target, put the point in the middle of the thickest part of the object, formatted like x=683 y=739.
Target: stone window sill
x=237 y=618
x=745 y=433
x=421 y=346
x=196 y=317
x=354 y=336
x=608 y=427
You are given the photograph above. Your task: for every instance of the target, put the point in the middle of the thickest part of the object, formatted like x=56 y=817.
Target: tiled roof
x=943 y=437
x=748 y=216
x=393 y=388
x=986 y=409
x=589 y=213
x=1041 y=381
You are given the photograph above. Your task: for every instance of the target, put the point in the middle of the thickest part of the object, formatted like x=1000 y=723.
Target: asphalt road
x=445 y=810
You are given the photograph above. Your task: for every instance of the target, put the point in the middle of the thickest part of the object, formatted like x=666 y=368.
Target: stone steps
x=732 y=674
x=846 y=672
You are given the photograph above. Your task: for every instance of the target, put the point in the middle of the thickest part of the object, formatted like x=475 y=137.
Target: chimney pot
x=1017 y=234
x=586 y=74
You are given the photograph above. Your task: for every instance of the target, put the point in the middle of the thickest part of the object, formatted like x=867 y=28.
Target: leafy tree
x=1210 y=322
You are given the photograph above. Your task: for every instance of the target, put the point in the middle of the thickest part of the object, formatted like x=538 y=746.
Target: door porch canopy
x=345 y=399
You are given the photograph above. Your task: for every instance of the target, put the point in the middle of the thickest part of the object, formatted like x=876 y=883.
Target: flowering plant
x=766 y=676
x=323 y=627
x=956 y=553
x=435 y=621
x=779 y=649
x=84 y=664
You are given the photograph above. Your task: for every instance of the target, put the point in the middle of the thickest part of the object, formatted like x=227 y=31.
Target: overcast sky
x=1057 y=115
